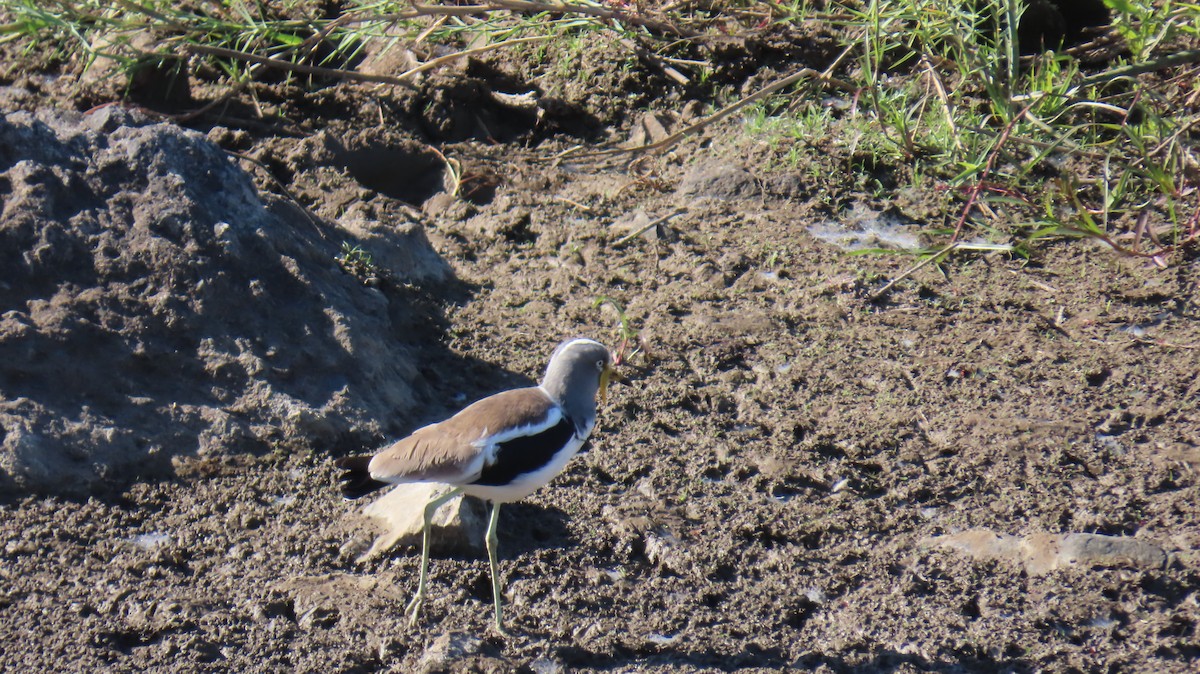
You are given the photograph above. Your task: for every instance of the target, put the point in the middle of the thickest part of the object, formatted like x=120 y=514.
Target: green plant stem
x=912 y=270
x=1169 y=61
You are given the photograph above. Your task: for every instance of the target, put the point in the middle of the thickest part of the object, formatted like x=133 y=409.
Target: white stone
x=458 y=525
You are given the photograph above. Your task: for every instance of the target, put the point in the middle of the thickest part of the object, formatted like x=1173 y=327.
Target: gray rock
x=154 y=307
x=718 y=180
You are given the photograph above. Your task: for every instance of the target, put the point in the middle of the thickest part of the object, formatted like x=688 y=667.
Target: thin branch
x=1042 y=145
x=313 y=219
x=726 y=111
x=1166 y=344
x=401 y=80
x=234 y=90
x=912 y=270
x=651 y=59
x=442 y=60
x=279 y=64
x=647 y=227
x=599 y=12
x=715 y=117
x=987 y=169
x=423 y=10
x=939 y=255
x=533 y=7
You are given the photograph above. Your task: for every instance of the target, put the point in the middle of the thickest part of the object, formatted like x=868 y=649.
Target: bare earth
x=759 y=494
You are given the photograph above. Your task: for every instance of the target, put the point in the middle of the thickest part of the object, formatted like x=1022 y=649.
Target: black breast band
x=526 y=454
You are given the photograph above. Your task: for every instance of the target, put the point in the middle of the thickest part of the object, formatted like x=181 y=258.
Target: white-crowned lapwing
x=501 y=448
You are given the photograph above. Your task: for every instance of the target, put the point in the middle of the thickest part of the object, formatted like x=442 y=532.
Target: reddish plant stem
x=973 y=195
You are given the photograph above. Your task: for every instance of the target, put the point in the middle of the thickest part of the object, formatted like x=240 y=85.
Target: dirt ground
x=761 y=491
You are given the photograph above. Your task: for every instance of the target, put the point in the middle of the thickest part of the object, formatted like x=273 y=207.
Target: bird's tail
x=355 y=480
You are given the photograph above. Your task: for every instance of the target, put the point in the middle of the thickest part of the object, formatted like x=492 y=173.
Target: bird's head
x=578 y=370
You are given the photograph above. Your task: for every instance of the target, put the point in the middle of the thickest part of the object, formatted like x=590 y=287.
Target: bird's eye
x=600 y=365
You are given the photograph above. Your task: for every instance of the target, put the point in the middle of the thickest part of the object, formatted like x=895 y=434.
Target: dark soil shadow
x=527 y=528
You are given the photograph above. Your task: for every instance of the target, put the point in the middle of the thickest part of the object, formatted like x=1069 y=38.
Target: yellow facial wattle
x=604 y=376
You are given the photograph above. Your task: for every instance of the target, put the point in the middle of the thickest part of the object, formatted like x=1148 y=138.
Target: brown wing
x=454 y=450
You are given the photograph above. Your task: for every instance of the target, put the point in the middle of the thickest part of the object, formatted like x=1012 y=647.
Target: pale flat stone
x=1042 y=553
x=981 y=544
x=1046 y=552
x=459 y=524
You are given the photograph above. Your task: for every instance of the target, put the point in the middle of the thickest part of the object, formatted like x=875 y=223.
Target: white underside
x=526 y=484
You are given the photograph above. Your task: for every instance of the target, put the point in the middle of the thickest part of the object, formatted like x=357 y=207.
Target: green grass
x=1019 y=150
x=953 y=102
x=358 y=263
x=628 y=337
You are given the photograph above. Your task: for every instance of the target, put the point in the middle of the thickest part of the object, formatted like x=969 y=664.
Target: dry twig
x=532 y=7
x=337 y=73
x=912 y=270
x=647 y=227
x=269 y=62
x=713 y=118
x=983 y=175
x=442 y=60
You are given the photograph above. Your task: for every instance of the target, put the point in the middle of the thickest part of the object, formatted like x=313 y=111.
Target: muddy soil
x=759 y=494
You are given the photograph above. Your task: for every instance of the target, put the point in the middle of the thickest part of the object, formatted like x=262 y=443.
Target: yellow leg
x=414 y=606
x=491 y=548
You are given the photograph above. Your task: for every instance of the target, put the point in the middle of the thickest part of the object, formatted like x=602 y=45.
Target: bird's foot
x=414 y=608
x=499 y=625
x=499 y=620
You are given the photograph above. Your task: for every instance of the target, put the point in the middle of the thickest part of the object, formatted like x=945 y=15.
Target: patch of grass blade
x=1026 y=148
x=1052 y=153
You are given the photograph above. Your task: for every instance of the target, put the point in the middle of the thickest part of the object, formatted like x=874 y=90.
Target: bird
x=500 y=449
